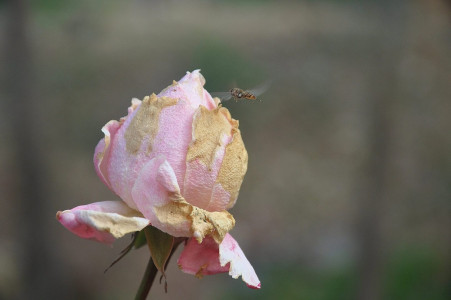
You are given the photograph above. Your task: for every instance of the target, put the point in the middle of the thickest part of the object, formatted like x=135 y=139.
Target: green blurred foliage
x=53 y=6
x=297 y=282
x=417 y=273
x=413 y=273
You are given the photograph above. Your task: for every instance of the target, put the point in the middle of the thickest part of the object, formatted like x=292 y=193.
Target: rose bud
x=177 y=160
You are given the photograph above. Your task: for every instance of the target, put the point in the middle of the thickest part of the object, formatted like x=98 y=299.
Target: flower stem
x=151 y=272
x=146 y=282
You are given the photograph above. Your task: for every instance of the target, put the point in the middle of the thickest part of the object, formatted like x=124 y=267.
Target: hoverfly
x=240 y=94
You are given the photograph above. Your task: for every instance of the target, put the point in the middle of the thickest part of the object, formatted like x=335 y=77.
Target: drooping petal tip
x=257 y=287
x=230 y=252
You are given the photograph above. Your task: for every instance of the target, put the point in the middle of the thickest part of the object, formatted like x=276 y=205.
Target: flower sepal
x=160 y=245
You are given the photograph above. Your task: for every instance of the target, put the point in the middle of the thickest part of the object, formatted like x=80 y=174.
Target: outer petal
x=216 y=160
x=103 y=149
x=210 y=258
x=102 y=221
x=157 y=195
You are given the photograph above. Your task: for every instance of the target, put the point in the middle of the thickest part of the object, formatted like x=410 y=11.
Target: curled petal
x=103 y=149
x=157 y=195
x=210 y=258
x=102 y=221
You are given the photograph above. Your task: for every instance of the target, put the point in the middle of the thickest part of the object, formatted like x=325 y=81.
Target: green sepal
x=140 y=239
x=160 y=246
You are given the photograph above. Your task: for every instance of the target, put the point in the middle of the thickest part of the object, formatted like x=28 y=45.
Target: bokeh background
x=348 y=192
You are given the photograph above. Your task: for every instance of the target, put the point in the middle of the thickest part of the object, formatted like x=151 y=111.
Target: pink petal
x=201 y=259
x=102 y=151
x=190 y=89
x=154 y=185
x=103 y=148
x=200 y=178
x=157 y=195
x=173 y=137
x=102 y=221
x=210 y=258
x=216 y=161
x=230 y=252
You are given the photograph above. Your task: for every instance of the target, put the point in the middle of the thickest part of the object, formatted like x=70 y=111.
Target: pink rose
x=177 y=161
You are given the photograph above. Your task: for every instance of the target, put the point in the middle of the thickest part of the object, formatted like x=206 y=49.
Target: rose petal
x=216 y=160
x=103 y=148
x=157 y=195
x=201 y=259
x=102 y=221
x=190 y=89
x=230 y=252
x=174 y=136
x=153 y=187
x=210 y=258
x=102 y=151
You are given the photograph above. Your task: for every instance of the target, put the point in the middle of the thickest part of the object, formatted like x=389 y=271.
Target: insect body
x=238 y=94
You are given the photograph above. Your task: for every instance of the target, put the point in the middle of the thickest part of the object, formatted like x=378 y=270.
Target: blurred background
x=348 y=192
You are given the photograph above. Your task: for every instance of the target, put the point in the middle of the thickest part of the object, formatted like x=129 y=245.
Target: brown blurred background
x=348 y=193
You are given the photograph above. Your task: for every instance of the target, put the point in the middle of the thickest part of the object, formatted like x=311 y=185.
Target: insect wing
x=257 y=91
x=223 y=96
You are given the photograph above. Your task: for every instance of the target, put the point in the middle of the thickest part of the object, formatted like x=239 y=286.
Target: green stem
x=146 y=282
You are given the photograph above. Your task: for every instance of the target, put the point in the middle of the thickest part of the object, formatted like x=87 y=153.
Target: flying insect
x=238 y=94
